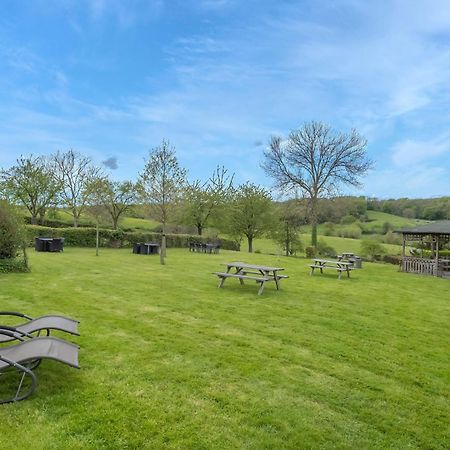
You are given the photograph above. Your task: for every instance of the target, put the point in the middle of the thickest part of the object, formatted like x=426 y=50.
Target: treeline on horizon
x=338 y=209
x=419 y=208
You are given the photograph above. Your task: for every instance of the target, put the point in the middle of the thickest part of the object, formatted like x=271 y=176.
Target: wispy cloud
x=410 y=152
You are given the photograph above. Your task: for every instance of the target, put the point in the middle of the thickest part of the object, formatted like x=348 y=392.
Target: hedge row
x=55 y=223
x=86 y=237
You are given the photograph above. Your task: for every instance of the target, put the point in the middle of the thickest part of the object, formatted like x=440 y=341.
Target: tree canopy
x=316 y=161
x=30 y=182
x=205 y=201
x=75 y=173
x=161 y=184
x=251 y=213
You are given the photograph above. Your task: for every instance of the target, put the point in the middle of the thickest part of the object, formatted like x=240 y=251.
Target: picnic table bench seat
x=258 y=279
x=241 y=276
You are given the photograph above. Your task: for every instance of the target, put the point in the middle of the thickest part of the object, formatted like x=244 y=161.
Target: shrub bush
x=348 y=219
x=392 y=259
x=372 y=249
x=350 y=231
x=310 y=252
x=11 y=232
x=386 y=227
x=392 y=238
x=325 y=250
x=14 y=265
x=328 y=229
x=12 y=240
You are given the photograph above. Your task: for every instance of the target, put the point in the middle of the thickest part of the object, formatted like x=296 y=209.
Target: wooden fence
x=425 y=266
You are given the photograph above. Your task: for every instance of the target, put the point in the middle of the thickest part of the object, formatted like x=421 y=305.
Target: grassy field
x=340 y=244
x=170 y=361
x=139 y=224
x=378 y=218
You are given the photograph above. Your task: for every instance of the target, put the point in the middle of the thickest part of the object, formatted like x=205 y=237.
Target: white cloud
x=410 y=152
x=413 y=182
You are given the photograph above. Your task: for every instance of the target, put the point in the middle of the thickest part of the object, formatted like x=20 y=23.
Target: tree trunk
x=162 y=252
x=313 y=221
x=96 y=240
x=34 y=220
x=314 y=234
x=115 y=222
x=287 y=243
x=250 y=244
x=199 y=229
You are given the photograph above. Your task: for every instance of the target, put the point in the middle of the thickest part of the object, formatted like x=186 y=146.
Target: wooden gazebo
x=433 y=235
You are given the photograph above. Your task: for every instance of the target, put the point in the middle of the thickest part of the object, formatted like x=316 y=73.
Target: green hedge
x=85 y=237
x=55 y=223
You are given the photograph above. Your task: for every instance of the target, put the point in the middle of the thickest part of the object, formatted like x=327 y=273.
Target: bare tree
x=30 y=182
x=161 y=185
x=203 y=200
x=316 y=160
x=76 y=174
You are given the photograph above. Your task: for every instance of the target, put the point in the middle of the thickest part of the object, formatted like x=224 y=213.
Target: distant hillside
x=378 y=218
x=420 y=208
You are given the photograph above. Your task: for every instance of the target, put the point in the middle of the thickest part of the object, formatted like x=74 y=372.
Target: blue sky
x=112 y=78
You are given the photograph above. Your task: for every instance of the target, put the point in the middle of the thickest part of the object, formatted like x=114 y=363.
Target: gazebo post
x=437 y=256
x=403 y=266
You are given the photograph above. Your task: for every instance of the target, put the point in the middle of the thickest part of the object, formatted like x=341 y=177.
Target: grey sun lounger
x=18 y=356
x=43 y=323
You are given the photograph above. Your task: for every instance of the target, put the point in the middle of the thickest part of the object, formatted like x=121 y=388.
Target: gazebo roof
x=439 y=227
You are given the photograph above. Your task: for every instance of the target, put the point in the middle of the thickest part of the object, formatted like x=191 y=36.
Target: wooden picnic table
x=340 y=266
x=345 y=256
x=244 y=271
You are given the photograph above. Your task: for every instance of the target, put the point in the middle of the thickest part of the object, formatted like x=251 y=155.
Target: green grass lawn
x=170 y=361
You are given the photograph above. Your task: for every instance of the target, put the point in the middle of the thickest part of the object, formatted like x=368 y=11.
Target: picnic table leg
x=276 y=281
x=222 y=280
x=348 y=272
x=238 y=271
x=261 y=288
x=339 y=274
x=312 y=271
